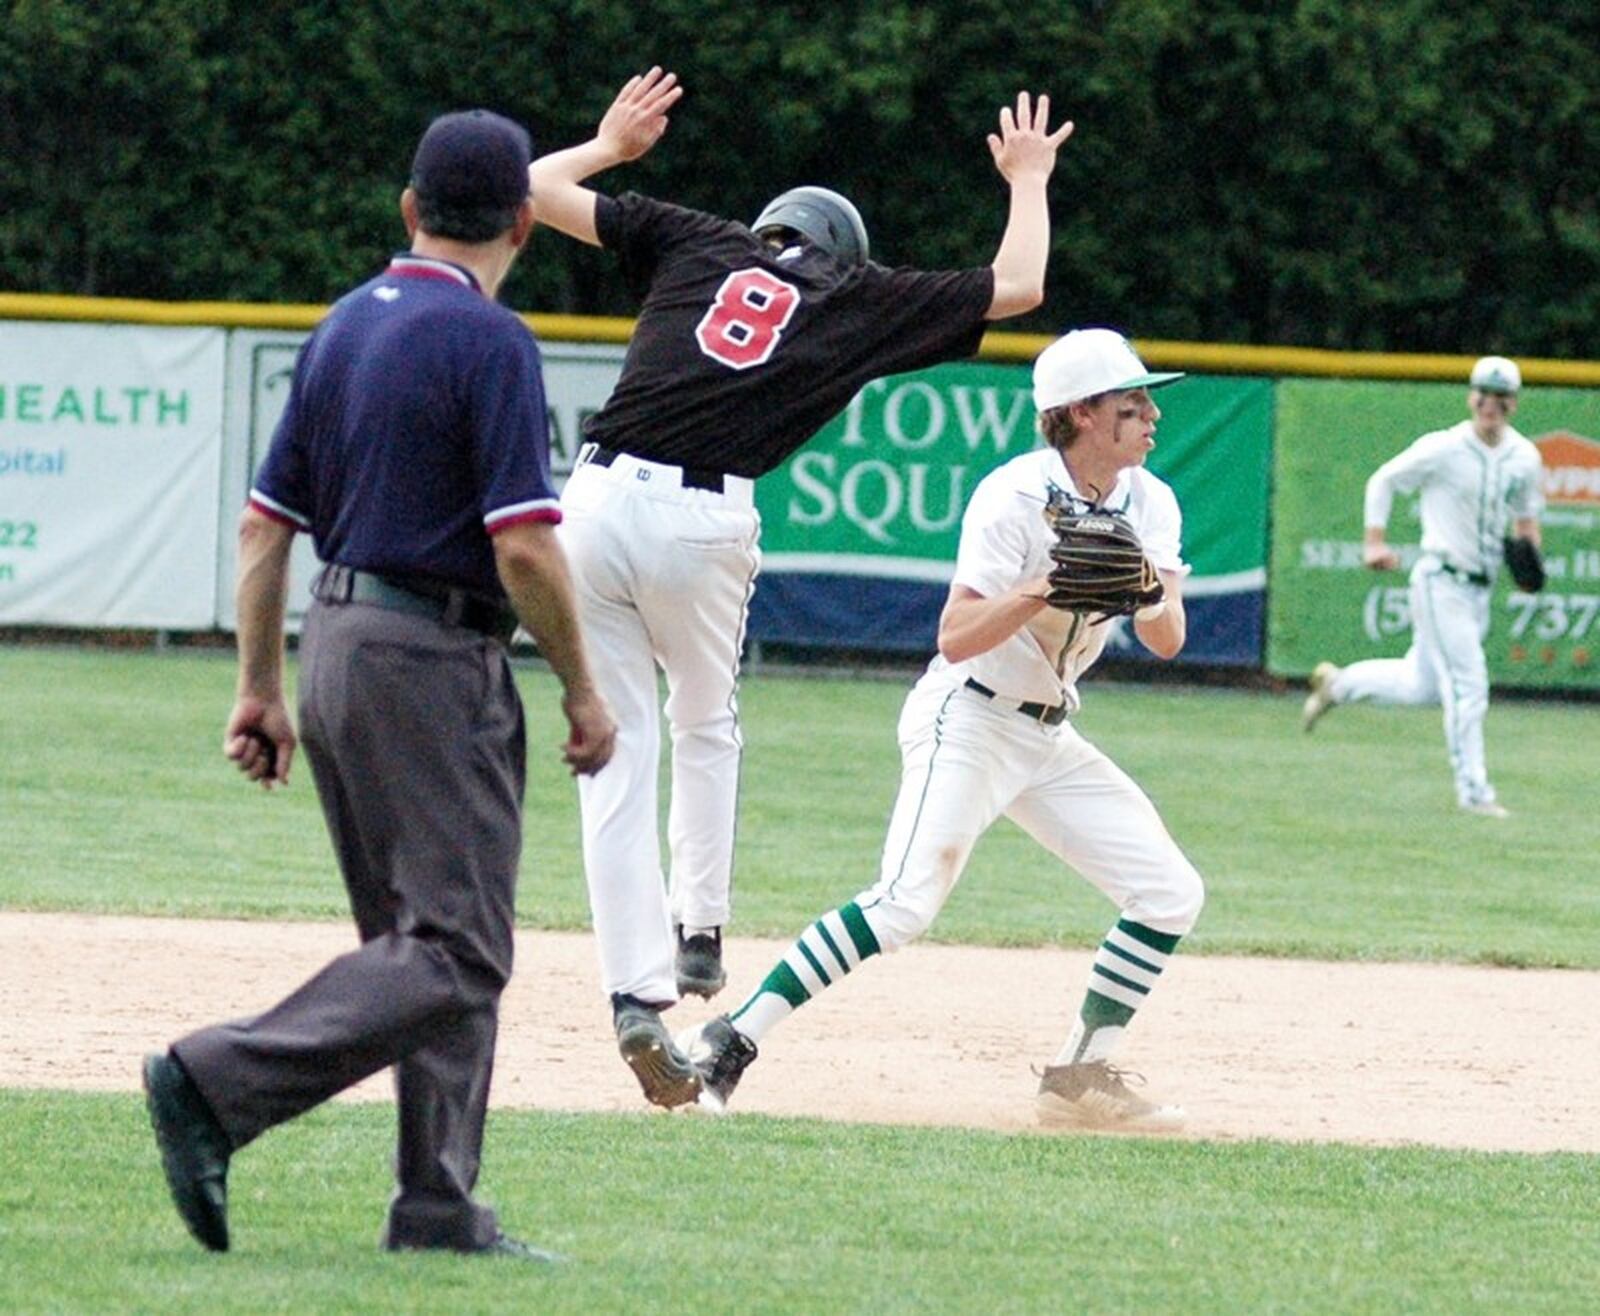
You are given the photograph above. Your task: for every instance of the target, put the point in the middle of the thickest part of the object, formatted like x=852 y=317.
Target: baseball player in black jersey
x=749 y=339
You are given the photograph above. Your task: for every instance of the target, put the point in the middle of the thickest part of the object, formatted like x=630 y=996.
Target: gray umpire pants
x=414 y=733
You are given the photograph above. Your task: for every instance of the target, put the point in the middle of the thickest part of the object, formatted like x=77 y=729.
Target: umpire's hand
x=593 y=733
x=260 y=740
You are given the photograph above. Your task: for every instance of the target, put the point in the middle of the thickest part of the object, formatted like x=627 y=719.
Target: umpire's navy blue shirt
x=415 y=429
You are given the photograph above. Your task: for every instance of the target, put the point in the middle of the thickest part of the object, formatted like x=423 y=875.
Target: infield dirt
x=1387 y=1054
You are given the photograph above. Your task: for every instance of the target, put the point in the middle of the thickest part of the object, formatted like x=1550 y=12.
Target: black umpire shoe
x=194 y=1149
x=663 y=1071
x=699 y=964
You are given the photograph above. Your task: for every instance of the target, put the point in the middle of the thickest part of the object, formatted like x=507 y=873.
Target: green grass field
x=114 y=797
x=661 y=1214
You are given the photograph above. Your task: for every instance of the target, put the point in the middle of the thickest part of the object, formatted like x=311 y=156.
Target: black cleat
x=663 y=1071
x=699 y=964
x=721 y=1053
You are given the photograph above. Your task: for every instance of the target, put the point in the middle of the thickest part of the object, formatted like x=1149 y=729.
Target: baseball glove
x=1099 y=564
x=1524 y=563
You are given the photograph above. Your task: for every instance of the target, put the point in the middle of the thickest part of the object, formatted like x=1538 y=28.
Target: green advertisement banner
x=880 y=490
x=860 y=527
x=1323 y=604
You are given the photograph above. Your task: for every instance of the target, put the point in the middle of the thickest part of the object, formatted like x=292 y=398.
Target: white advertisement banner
x=578 y=378
x=110 y=457
x=260 y=366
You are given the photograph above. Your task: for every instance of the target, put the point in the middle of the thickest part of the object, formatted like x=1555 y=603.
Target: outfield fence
x=129 y=431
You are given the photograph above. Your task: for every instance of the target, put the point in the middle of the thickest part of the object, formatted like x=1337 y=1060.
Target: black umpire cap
x=471 y=160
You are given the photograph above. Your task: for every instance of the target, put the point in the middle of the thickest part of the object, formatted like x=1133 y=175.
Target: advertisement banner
x=860 y=528
x=1324 y=605
x=110 y=451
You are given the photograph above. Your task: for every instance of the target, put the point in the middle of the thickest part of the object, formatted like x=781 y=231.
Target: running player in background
x=749 y=340
x=1475 y=479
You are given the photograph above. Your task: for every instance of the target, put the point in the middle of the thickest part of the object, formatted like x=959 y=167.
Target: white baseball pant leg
x=1408 y=680
x=1092 y=816
x=1456 y=614
x=663 y=575
x=698 y=623
x=966 y=762
x=1446 y=663
x=960 y=766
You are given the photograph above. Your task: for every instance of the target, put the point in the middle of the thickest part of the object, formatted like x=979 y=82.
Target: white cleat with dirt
x=1320 y=700
x=1097 y=1096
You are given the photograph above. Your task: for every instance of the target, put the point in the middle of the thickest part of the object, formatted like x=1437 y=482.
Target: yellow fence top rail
x=1203 y=358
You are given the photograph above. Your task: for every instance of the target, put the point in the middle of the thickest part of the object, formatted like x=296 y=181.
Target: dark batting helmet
x=822 y=217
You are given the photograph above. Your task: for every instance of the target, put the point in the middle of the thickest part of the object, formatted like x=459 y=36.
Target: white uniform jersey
x=1470 y=493
x=1005 y=539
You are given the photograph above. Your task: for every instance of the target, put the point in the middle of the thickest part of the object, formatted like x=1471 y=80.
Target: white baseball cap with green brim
x=1087 y=362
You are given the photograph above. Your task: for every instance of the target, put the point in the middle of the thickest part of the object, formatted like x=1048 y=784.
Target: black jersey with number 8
x=740 y=353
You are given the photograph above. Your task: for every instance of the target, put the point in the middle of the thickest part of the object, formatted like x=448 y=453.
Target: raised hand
x=1024 y=145
x=638 y=116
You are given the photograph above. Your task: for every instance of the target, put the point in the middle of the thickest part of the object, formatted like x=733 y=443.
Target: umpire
x=414 y=450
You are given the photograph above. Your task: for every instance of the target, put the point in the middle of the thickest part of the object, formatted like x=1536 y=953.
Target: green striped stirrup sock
x=823 y=953
x=1125 y=968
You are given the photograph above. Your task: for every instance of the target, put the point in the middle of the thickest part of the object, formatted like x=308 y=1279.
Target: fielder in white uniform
x=1475 y=479
x=987 y=731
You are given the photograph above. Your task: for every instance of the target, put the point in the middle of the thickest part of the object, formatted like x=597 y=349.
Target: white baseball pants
x=1445 y=665
x=663 y=575
x=965 y=761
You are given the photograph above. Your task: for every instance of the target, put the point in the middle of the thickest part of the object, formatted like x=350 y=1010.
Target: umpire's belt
x=690 y=477
x=1471 y=577
x=444 y=603
x=1050 y=714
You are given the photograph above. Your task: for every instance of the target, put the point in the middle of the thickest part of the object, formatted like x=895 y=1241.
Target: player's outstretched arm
x=1024 y=152
x=631 y=126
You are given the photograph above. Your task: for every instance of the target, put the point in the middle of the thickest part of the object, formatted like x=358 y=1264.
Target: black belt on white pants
x=1050 y=714
x=1471 y=577
x=692 y=477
